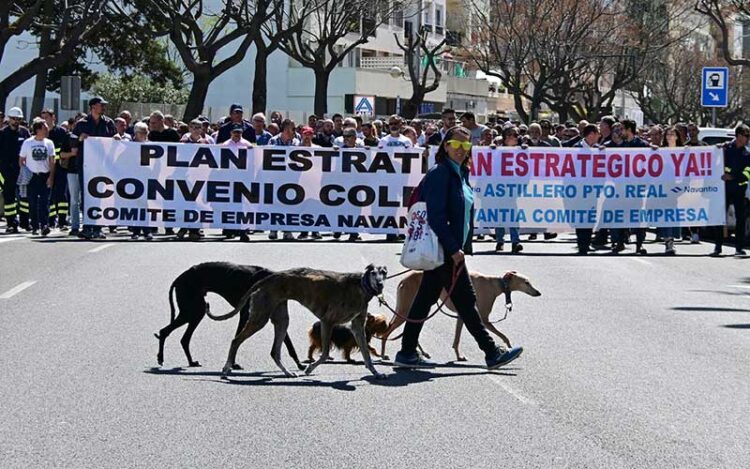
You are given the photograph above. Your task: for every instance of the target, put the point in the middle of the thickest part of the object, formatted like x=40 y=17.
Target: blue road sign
x=715 y=87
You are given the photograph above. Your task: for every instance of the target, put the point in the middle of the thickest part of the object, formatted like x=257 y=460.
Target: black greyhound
x=230 y=281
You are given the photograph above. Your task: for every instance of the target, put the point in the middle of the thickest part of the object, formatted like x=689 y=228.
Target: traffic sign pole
x=713 y=117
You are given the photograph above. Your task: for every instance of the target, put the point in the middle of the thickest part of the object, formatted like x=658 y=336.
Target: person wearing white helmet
x=11 y=139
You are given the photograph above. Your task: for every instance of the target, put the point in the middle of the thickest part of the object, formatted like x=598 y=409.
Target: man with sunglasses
x=394 y=138
x=11 y=139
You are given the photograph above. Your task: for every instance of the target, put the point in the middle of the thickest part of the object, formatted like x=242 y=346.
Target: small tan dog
x=487 y=289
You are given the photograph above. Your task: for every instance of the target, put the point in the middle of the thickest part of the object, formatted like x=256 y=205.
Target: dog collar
x=505 y=284
x=366 y=287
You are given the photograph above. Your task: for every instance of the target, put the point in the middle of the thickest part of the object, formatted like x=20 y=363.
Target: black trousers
x=583 y=239
x=463 y=297
x=58 y=203
x=740 y=213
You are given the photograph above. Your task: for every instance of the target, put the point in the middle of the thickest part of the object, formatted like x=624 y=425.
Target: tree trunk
x=518 y=102
x=321 y=92
x=260 y=83
x=410 y=108
x=45 y=44
x=197 y=97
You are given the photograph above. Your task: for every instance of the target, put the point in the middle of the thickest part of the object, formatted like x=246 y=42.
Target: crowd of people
x=41 y=161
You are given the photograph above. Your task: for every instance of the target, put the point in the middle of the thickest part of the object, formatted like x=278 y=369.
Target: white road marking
x=499 y=381
x=5 y=239
x=102 y=247
x=17 y=289
x=642 y=261
x=739 y=286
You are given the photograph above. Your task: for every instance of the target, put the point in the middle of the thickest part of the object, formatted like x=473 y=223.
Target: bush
x=136 y=89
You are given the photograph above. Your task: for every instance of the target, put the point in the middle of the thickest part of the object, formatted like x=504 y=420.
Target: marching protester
x=590 y=141
x=235 y=118
x=448 y=118
x=671 y=139
x=262 y=136
x=450 y=199
x=510 y=139
x=121 y=130
x=11 y=139
x=469 y=121
x=140 y=135
x=58 y=204
x=735 y=177
x=370 y=139
x=395 y=138
x=94 y=124
x=38 y=156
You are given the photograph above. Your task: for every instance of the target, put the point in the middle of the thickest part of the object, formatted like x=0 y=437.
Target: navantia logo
x=694 y=190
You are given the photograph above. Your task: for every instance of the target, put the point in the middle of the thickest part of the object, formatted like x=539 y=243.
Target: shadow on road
x=737 y=326
x=398 y=378
x=710 y=309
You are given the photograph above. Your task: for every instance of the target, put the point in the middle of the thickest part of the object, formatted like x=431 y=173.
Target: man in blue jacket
x=735 y=177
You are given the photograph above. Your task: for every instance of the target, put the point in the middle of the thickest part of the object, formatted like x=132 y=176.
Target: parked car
x=713 y=136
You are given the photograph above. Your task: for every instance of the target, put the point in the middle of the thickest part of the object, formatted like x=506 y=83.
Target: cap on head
x=238 y=128
x=235 y=108
x=309 y=131
x=97 y=100
x=15 y=112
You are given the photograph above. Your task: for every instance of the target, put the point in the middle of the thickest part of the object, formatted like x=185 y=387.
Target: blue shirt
x=263 y=138
x=468 y=199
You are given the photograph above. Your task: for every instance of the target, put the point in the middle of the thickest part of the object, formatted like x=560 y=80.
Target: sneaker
x=618 y=248
x=34 y=233
x=288 y=236
x=149 y=237
x=181 y=233
x=302 y=235
x=354 y=237
x=740 y=252
x=11 y=230
x=640 y=250
x=244 y=238
x=134 y=236
x=532 y=237
x=411 y=360
x=715 y=253
x=273 y=235
x=499 y=247
x=100 y=235
x=338 y=235
x=317 y=235
x=500 y=358
x=169 y=231
x=516 y=248
x=45 y=231
x=74 y=232
x=548 y=236
x=193 y=236
x=695 y=238
x=583 y=252
x=480 y=237
x=63 y=228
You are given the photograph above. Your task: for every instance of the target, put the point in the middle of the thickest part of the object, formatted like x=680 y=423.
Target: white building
x=365 y=71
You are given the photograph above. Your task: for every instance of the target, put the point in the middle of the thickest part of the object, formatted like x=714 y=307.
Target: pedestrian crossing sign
x=364 y=105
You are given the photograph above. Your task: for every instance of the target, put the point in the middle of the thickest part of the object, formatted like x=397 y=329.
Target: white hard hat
x=15 y=112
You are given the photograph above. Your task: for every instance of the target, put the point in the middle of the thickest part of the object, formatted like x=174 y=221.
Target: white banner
x=265 y=188
x=361 y=190
x=563 y=188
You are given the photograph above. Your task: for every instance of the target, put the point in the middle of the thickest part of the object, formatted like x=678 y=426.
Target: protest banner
x=264 y=188
x=564 y=188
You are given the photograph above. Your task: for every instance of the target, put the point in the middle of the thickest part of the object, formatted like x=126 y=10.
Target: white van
x=713 y=135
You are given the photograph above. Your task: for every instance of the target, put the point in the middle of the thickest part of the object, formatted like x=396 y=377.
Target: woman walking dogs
x=450 y=200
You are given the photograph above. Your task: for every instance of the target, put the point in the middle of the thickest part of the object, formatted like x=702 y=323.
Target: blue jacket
x=444 y=195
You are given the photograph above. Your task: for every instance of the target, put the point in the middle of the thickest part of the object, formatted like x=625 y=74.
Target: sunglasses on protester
x=456 y=144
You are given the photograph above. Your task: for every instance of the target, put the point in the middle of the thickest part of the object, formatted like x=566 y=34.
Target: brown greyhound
x=487 y=289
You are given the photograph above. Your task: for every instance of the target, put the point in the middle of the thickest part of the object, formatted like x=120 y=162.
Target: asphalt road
x=629 y=362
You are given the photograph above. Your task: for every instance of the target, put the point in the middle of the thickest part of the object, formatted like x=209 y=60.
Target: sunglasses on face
x=456 y=144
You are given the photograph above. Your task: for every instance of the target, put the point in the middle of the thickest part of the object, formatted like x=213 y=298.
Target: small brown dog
x=343 y=339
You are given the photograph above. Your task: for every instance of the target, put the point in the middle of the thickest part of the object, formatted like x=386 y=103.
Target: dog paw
x=426 y=355
x=381 y=376
x=160 y=360
x=301 y=366
x=290 y=375
x=194 y=365
x=461 y=359
x=384 y=357
x=236 y=367
x=308 y=370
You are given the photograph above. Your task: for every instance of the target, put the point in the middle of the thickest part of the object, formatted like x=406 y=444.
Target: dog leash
x=456 y=271
x=398 y=274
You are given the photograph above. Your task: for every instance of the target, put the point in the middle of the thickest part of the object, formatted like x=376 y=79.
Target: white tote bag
x=422 y=250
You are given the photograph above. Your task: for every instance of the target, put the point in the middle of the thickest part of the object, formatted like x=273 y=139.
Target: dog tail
x=238 y=307
x=171 y=301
